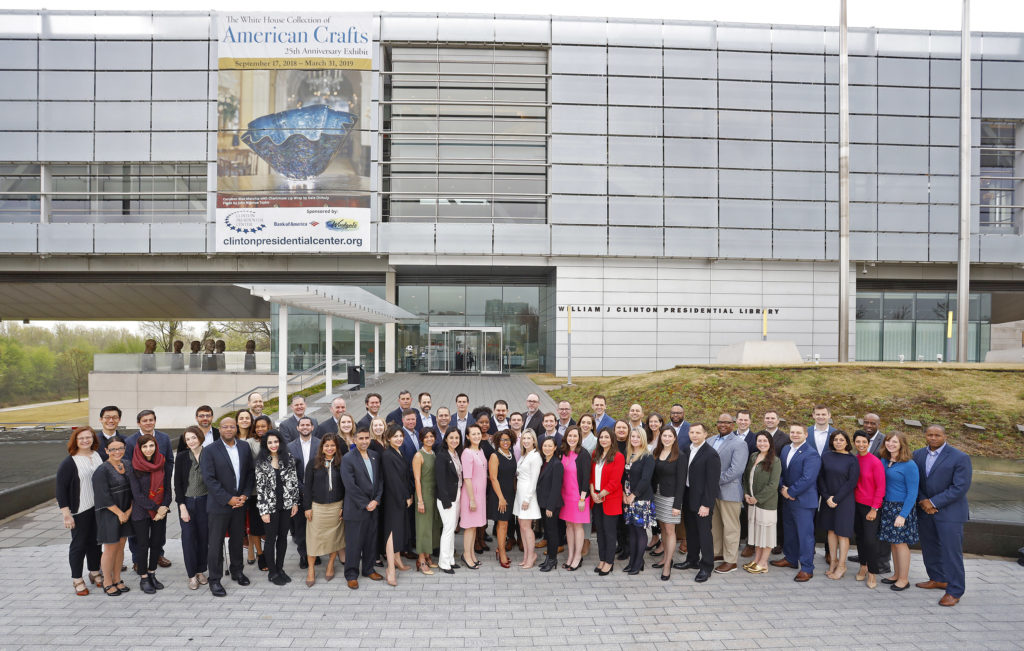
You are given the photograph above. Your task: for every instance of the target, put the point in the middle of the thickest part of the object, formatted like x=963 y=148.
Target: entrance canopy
x=345 y=301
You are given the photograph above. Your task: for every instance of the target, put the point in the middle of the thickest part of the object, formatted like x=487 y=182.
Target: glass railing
x=227 y=362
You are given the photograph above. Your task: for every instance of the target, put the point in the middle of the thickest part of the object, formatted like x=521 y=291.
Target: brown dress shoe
x=949 y=600
x=802 y=577
x=561 y=548
x=747 y=552
x=725 y=568
x=353 y=584
x=375 y=577
x=781 y=563
x=776 y=550
x=586 y=548
x=541 y=544
x=163 y=562
x=931 y=585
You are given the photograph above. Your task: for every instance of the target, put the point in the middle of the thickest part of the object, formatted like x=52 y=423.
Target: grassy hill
x=950 y=396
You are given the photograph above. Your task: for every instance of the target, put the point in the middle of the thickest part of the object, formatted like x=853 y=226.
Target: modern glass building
x=660 y=184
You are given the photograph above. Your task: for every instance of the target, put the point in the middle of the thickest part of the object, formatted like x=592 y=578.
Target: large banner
x=293 y=134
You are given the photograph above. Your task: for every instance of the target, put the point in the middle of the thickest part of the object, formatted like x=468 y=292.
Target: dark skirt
x=254 y=523
x=108 y=529
x=839 y=519
x=888 y=533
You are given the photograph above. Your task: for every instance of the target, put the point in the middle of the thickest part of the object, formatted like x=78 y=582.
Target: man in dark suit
x=533 y=417
x=363 y=489
x=204 y=419
x=330 y=425
x=147 y=425
x=289 y=426
x=228 y=474
x=799 y=487
x=942 y=510
x=410 y=446
x=565 y=419
x=704 y=469
x=302 y=449
x=462 y=418
x=442 y=425
x=822 y=430
x=677 y=419
x=404 y=402
x=372 y=403
x=110 y=418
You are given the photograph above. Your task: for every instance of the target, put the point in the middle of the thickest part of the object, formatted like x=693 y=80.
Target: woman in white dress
x=525 y=506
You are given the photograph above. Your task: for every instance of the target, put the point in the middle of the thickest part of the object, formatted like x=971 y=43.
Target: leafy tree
x=76 y=363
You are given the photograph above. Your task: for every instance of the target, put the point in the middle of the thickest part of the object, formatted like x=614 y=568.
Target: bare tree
x=164 y=332
x=258 y=331
x=76 y=363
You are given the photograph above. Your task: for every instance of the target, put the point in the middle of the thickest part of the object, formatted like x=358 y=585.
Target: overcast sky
x=986 y=15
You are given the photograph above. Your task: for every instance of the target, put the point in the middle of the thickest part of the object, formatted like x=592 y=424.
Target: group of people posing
x=371 y=492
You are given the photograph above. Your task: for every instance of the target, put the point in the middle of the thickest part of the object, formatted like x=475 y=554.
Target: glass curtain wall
x=306 y=334
x=464 y=135
x=517 y=310
x=913 y=324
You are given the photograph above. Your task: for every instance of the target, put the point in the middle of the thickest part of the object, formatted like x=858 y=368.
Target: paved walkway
x=493 y=607
x=39 y=404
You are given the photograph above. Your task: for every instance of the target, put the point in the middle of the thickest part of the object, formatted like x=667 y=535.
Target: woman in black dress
x=397 y=498
x=151 y=496
x=836 y=483
x=501 y=468
x=113 y=503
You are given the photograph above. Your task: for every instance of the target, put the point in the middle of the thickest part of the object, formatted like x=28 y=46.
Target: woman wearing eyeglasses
x=113 y=503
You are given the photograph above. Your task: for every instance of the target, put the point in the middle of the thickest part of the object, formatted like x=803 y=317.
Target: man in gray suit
x=871 y=427
x=725 y=522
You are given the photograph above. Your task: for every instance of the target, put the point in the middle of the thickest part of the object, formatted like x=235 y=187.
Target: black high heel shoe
x=574 y=568
x=470 y=565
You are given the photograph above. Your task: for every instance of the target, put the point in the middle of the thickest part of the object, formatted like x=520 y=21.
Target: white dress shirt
x=233 y=457
x=693 y=452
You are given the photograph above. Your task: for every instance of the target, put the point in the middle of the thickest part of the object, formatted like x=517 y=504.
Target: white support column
x=282 y=362
x=391 y=295
x=376 y=349
x=329 y=353
x=357 y=343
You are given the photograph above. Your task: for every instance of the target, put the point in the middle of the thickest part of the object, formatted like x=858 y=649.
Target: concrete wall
x=634 y=316
x=173 y=396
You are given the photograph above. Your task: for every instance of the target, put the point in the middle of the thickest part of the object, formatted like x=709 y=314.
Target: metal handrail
x=299 y=378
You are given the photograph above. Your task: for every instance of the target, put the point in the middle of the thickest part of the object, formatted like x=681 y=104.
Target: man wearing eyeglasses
x=110 y=418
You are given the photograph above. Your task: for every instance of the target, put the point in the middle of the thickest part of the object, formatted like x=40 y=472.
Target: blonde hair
x=636 y=453
x=533 y=437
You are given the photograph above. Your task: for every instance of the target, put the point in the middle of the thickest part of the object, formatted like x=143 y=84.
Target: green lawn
x=947 y=395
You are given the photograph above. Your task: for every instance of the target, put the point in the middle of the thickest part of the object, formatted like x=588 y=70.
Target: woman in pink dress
x=473 y=505
x=575 y=494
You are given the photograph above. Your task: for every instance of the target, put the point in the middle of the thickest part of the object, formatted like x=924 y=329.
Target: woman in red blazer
x=606 y=493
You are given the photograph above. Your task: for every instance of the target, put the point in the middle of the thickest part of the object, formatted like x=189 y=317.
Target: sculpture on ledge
x=219 y=351
x=148 y=360
x=194 y=359
x=250 y=355
x=177 y=359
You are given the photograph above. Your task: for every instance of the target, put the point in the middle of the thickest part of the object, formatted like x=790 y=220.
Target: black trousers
x=231 y=523
x=637 y=546
x=621 y=532
x=867 y=538
x=150 y=536
x=780 y=533
x=744 y=522
x=299 y=532
x=360 y=546
x=604 y=525
x=700 y=548
x=551 y=526
x=83 y=544
x=276 y=543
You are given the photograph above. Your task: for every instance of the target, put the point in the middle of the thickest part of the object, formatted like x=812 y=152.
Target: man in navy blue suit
x=227 y=469
x=799 y=487
x=942 y=511
x=404 y=403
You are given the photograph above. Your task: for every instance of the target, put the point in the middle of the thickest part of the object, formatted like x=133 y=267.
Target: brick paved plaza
x=492 y=607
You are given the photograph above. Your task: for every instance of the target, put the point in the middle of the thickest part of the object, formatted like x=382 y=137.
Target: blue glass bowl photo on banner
x=300 y=143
